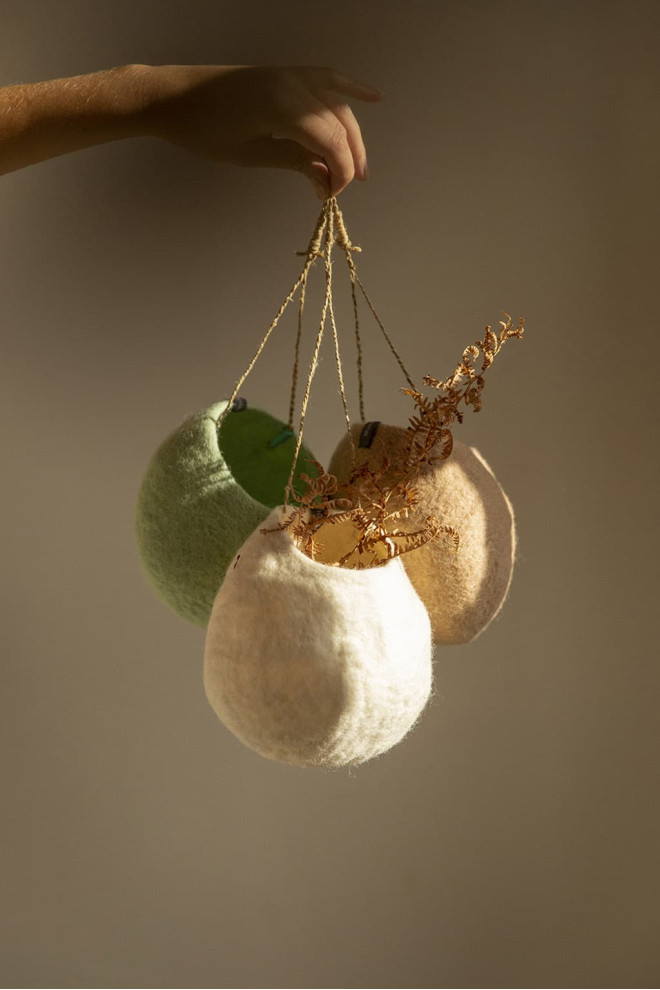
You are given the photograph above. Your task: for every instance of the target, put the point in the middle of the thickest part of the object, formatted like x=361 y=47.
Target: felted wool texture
x=198 y=503
x=312 y=664
x=463 y=590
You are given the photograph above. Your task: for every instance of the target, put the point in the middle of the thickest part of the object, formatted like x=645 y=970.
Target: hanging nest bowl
x=312 y=664
x=204 y=491
x=463 y=588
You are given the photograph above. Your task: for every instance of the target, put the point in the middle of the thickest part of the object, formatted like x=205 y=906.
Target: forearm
x=47 y=119
x=293 y=117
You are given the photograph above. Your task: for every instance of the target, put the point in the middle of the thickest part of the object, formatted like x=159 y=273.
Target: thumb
x=282 y=153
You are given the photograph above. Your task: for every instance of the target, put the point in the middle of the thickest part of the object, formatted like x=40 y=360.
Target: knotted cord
x=330 y=229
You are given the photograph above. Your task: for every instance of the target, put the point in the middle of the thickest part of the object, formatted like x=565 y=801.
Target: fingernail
x=321 y=190
x=365 y=172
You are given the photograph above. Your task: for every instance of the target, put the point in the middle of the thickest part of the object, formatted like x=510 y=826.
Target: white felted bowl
x=463 y=590
x=312 y=664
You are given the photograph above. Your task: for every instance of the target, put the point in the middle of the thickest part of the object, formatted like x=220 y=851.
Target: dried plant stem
x=373 y=501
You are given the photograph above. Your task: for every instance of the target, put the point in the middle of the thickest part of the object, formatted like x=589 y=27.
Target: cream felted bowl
x=312 y=664
x=202 y=495
x=463 y=590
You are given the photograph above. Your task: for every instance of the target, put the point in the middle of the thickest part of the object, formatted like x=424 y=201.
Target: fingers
x=282 y=153
x=289 y=117
x=353 y=136
x=336 y=82
x=320 y=177
x=320 y=131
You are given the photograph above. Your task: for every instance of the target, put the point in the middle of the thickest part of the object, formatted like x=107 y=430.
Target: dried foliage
x=316 y=504
x=430 y=436
x=377 y=502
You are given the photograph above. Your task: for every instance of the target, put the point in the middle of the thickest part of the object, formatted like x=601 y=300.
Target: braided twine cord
x=330 y=229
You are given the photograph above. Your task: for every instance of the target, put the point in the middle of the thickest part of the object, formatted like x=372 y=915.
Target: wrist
x=143 y=89
x=158 y=89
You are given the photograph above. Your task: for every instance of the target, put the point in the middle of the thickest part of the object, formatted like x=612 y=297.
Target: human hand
x=263 y=116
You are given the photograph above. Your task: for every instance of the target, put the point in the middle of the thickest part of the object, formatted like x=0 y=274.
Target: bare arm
x=263 y=116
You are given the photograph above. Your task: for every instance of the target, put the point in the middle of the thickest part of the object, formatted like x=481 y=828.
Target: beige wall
x=512 y=839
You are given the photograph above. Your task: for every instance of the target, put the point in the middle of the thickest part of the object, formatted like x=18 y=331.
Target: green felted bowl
x=203 y=494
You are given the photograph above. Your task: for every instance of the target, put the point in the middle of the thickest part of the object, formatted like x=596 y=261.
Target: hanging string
x=386 y=335
x=344 y=242
x=312 y=254
x=315 y=357
x=330 y=229
x=296 y=359
x=313 y=251
x=328 y=270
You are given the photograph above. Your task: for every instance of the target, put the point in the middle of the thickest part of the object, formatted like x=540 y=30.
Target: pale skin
x=291 y=117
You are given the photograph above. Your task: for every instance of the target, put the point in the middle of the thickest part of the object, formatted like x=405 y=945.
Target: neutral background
x=512 y=839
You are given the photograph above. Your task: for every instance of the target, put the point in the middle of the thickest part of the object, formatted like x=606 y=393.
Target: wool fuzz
x=311 y=664
x=463 y=590
x=198 y=503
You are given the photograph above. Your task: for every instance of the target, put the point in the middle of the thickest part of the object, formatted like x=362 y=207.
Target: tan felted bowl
x=463 y=590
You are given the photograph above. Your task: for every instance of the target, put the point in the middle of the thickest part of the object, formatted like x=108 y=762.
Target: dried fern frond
x=374 y=501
